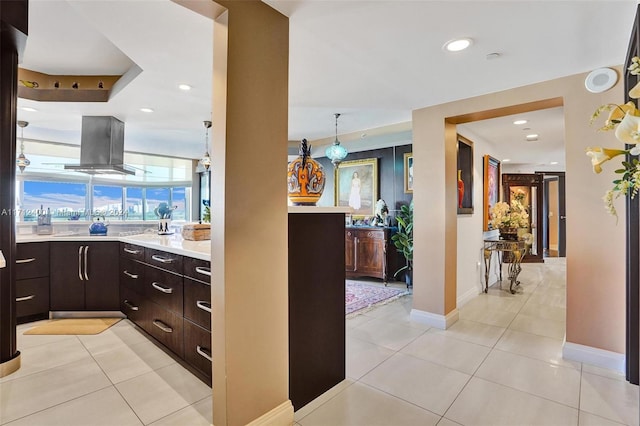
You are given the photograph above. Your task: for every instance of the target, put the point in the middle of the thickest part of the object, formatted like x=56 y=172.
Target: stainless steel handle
x=130 y=306
x=161 y=259
x=129 y=274
x=204 y=305
x=204 y=271
x=128 y=250
x=158 y=287
x=25 y=298
x=355 y=254
x=86 y=263
x=80 y=263
x=205 y=353
x=162 y=326
x=563 y=217
x=31 y=259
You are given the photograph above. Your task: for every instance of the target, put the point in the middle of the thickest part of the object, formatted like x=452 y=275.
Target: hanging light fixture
x=22 y=161
x=336 y=152
x=206 y=159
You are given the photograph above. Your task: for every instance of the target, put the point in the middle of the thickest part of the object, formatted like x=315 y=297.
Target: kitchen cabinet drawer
x=197 y=348
x=164 y=288
x=132 y=274
x=161 y=259
x=132 y=251
x=134 y=306
x=32 y=260
x=32 y=296
x=197 y=302
x=167 y=328
x=197 y=269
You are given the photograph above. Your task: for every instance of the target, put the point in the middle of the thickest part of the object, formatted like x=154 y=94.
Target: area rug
x=360 y=297
x=74 y=326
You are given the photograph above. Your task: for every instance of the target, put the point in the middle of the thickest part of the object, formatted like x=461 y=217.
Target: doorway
x=554 y=219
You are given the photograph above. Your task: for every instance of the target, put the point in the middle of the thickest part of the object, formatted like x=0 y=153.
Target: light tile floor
x=500 y=364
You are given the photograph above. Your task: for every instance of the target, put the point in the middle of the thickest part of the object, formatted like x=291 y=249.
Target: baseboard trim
x=442 y=322
x=282 y=415
x=593 y=356
x=466 y=297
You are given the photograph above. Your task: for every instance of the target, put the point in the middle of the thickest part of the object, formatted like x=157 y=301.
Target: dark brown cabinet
x=32 y=281
x=370 y=253
x=84 y=277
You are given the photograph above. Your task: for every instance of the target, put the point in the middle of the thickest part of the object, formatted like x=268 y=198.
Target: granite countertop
x=169 y=243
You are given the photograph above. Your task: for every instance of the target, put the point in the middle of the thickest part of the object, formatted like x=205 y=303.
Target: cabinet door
x=349 y=251
x=371 y=254
x=102 y=289
x=66 y=285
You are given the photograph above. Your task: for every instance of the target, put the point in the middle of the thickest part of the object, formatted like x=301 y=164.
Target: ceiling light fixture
x=146 y=110
x=506 y=160
x=22 y=161
x=184 y=87
x=336 y=152
x=29 y=109
x=553 y=163
x=519 y=122
x=457 y=45
x=205 y=161
x=532 y=137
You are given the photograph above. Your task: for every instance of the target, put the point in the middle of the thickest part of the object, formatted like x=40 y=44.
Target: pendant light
x=22 y=161
x=336 y=152
x=206 y=159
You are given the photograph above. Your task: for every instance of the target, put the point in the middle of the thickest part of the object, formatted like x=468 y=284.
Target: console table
x=369 y=252
x=507 y=250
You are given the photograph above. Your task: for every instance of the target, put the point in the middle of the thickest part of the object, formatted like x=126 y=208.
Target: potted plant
x=403 y=240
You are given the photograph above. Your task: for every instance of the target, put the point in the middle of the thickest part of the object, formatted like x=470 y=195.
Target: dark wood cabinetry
x=32 y=281
x=84 y=277
x=369 y=252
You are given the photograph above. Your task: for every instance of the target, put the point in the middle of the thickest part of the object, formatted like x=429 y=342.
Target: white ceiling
x=372 y=61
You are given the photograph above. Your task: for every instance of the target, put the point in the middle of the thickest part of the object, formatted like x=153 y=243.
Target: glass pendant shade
x=22 y=161
x=336 y=152
x=206 y=161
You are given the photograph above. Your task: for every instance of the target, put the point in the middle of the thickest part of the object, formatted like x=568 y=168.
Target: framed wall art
x=465 y=176
x=357 y=186
x=408 y=172
x=491 y=182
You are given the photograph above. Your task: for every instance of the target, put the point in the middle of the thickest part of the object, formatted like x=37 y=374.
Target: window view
x=63 y=200
x=107 y=201
x=134 y=204
x=154 y=197
x=179 y=201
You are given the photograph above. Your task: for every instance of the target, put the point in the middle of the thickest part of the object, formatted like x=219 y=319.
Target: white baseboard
x=593 y=356
x=435 y=320
x=282 y=415
x=466 y=297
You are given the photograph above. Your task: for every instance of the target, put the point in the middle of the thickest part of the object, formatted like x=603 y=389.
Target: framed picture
x=408 y=172
x=465 y=176
x=491 y=186
x=357 y=186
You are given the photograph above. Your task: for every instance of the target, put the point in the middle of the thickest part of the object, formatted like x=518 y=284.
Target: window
x=64 y=200
x=179 y=200
x=153 y=198
x=134 y=204
x=107 y=201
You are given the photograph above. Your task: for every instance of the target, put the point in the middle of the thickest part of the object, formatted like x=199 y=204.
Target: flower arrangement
x=504 y=215
x=625 y=121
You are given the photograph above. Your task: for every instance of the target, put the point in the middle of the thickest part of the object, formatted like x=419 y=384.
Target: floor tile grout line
x=400 y=398
x=325 y=402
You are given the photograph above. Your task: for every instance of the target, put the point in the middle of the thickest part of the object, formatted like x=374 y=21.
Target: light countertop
x=3 y=262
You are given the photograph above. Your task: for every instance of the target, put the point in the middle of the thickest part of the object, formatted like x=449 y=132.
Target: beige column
x=249 y=216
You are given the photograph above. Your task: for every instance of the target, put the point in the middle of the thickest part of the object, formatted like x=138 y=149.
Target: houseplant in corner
x=403 y=240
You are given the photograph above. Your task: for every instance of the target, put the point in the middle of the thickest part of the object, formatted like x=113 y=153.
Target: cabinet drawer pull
x=204 y=271
x=204 y=352
x=162 y=326
x=158 y=287
x=161 y=259
x=86 y=263
x=204 y=305
x=130 y=306
x=128 y=250
x=31 y=259
x=80 y=263
x=25 y=298
x=129 y=274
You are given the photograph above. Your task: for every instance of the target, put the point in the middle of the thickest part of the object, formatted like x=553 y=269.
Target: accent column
x=13 y=34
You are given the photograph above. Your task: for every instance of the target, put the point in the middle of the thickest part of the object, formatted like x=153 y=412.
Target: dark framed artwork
x=465 y=176
x=491 y=181
x=408 y=172
x=357 y=186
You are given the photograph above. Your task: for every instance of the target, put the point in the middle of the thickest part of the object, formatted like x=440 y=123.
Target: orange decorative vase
x=460 y=189
x=305 y=178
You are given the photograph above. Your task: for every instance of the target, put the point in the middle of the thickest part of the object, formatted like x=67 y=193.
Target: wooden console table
x=507 y=250
x=369 y=252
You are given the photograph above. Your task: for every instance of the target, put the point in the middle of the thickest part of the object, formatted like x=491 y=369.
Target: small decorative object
x=30 y=84
x=382 y=213
x=98 y=227
x=460 y=189
x=336 y=152
x=164 y=212
x=22 y=162
x=75 y=85
x=509 y=218
x=625 y=121
x=56 y=84
x=305 y=178
x=196 y=231
x=100 y=85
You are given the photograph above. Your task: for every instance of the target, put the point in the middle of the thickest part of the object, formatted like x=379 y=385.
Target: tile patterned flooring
x=500 y=364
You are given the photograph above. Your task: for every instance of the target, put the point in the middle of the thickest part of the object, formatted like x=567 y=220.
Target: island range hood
x=101 y=147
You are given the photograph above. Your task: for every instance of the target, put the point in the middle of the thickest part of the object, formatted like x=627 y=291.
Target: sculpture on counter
x=382 y=214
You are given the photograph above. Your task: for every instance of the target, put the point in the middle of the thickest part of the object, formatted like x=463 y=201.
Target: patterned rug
x=360 y=297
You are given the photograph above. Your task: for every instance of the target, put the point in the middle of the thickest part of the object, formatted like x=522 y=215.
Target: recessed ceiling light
x=553 y=163
x=184 y=87
x=506 y=160
x=457 y=44
x=29 y=109
x=532 y=137
x=518 y=122
x=146 y=110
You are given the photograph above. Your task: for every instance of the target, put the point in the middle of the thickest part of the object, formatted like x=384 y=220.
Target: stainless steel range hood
x=101 y=147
